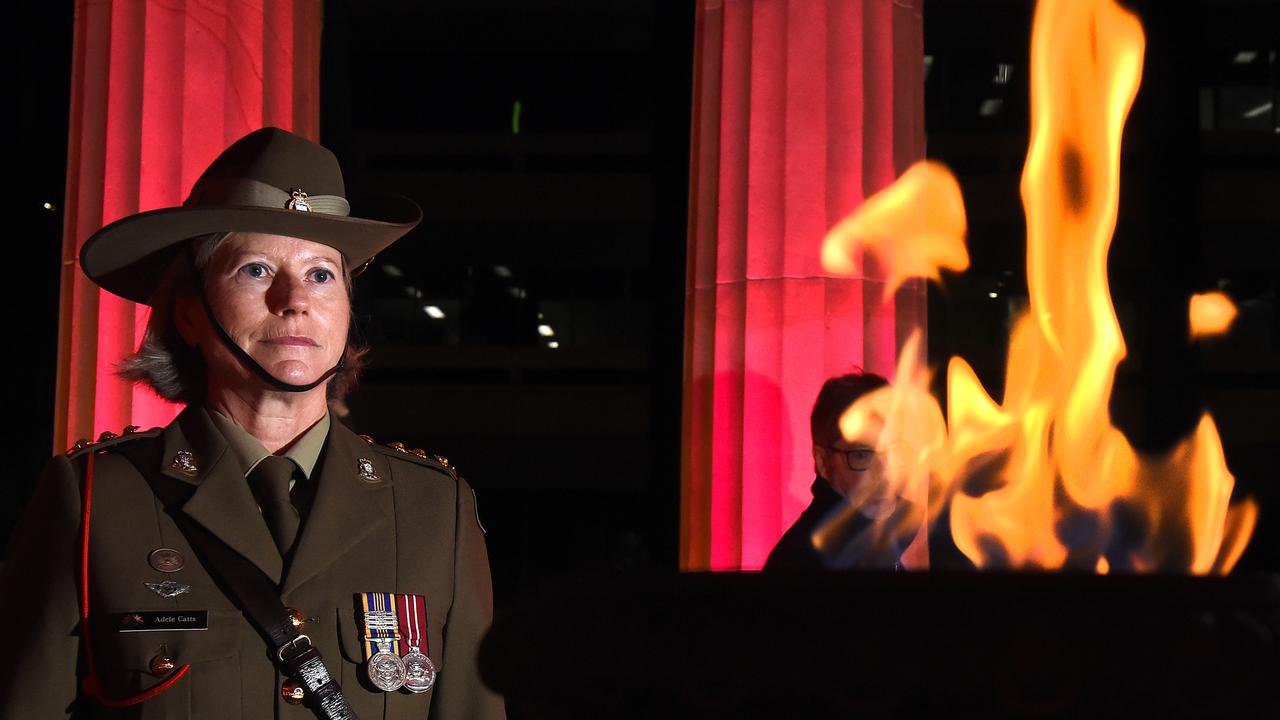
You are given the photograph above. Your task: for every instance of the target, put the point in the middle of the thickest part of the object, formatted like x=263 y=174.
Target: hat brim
x=129 y=256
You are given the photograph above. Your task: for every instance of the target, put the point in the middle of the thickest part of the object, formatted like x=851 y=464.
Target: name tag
x=153 y=621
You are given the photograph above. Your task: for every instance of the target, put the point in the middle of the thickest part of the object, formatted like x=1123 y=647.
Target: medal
x=386 y=669
x=420 y=672
x=382 y=641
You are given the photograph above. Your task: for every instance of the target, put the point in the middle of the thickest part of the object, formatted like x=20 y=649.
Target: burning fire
x=1043 y=479
x=915 y=226
x=1211 y=314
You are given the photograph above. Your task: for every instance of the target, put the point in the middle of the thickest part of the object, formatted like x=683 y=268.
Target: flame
x=904 y=423
x=914 y=227
x=1042 y=479
x=1211 y=314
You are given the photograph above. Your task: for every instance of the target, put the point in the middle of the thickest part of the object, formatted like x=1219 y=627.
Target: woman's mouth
x=302 y=340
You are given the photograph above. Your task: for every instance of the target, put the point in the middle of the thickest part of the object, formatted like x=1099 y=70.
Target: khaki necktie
x=269 y=482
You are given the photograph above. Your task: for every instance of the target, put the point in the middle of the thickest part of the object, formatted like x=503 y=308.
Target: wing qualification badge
x=381 y=640
x=420 y=672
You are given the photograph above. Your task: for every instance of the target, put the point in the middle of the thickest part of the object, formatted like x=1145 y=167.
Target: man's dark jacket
x=795 y=552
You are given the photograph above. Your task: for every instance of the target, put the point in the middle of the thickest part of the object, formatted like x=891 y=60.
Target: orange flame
x=1043 y=479
x=903 y=422
x=914 y=227
x=1211 y=314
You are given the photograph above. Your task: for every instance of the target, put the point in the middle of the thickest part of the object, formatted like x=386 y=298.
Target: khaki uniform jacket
x=414 y=530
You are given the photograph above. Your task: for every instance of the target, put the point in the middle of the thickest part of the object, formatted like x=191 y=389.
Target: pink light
x=796 y=115
x=158 y=90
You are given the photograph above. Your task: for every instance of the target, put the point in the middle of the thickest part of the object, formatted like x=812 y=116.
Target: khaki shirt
x=382 y=521
x=248 y=451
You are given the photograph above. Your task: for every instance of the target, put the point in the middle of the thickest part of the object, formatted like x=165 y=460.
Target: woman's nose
x=287 y=295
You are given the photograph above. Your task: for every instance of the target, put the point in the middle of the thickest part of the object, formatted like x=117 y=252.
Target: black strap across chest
x=252 y=591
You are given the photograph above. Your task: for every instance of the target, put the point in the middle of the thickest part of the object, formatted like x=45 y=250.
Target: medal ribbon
x=379 y=622
x=412 y=612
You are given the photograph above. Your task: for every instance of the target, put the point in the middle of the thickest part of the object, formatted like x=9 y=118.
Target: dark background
x=571 y=213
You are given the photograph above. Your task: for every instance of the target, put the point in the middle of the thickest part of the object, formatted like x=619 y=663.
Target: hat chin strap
x=244 y=357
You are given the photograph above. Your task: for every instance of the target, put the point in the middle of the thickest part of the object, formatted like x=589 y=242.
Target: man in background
x=856 y=519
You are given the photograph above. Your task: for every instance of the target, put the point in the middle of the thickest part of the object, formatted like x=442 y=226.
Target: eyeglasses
x=860 y=457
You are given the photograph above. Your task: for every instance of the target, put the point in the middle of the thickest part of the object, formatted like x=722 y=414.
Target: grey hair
x=175 y=370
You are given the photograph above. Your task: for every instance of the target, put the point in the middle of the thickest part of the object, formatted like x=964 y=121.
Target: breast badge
x=168 y=588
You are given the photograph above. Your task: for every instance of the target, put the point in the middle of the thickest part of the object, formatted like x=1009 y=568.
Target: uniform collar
x=352 y=485
x=197 y=453
x=247 y=451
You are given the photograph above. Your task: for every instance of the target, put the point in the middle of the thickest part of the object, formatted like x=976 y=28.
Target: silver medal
x=386 y=670
x=420 y=672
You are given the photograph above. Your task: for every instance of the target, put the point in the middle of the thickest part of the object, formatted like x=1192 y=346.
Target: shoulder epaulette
x=108 y=440
x=415 y=455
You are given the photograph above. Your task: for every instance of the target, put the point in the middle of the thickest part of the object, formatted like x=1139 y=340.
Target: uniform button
x=292 y=692
x=162 y=664
x=166 y=560
x=296 y=617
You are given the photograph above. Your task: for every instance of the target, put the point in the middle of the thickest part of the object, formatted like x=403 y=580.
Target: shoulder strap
x=248 y=587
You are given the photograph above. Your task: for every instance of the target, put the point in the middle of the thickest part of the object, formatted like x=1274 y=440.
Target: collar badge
x=185 y=463
x=367 y=473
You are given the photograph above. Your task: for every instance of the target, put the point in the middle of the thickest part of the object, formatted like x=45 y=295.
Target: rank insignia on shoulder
x=107 y=439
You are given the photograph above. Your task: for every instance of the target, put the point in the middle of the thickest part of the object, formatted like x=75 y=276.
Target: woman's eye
x=321 y=275
x=255 y=270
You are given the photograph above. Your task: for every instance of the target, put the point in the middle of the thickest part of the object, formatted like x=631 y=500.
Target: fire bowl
x=905 y=644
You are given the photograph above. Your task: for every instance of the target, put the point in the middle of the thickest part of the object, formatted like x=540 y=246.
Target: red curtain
x=802 y=108
x=158 y=89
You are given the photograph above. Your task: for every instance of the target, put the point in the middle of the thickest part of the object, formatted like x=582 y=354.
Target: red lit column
x=158 y=89
x=801 y=110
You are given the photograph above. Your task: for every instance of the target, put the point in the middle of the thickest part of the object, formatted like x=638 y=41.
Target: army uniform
x=380 y=519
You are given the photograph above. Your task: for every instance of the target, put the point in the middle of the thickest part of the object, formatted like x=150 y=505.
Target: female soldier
x=254 y=559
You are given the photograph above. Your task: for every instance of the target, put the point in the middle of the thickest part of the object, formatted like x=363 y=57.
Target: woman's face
x=281 y=299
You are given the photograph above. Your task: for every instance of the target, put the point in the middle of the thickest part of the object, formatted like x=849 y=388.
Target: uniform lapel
x=347 y=506
x=222 y=501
